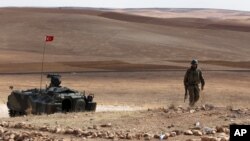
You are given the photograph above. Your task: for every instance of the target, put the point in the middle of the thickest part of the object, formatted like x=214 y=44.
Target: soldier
x=192 y=79
x=54 y=80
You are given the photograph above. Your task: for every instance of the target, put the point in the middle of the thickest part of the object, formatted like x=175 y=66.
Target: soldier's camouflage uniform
x=192 y=79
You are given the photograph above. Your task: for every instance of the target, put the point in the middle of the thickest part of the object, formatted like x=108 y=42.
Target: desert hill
x=133 y=61
x=83 y=35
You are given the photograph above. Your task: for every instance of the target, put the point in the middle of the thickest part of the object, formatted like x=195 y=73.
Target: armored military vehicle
x=52 y=99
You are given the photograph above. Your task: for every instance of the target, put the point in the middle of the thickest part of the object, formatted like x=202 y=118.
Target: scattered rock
x=4 y=124
x=77 y=131
x=188 y=132
x=172 y=134
x=69 y=131
x=197 y=133
x=221 y=129
x=226 y=130
x=192 y=111
x=147 y=135
x=111 y=136
x=44 y=128
x=207 y=107
x=90 y=127
x=167 y=135
x=106 y=125
x=178 y=132
x=157 y=136
x=129 y=136
x=197 y=124
x=20 y=125
x=12 y=136
x=208 y=130
x=58 y=130
x=170 y=126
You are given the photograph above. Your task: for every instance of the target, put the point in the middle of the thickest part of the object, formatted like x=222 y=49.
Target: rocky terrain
x=151 y=124
x=134 y=61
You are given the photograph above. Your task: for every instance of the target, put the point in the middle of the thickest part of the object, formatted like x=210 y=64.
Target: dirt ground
x=125 y=97
x=133 y=64
x=158 y=89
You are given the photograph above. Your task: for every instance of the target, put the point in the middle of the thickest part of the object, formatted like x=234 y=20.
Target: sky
x=243 y=5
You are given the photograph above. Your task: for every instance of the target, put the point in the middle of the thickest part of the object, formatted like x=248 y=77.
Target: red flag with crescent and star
x=49 y=38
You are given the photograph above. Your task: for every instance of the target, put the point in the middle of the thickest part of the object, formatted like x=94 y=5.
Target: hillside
x=83 y=35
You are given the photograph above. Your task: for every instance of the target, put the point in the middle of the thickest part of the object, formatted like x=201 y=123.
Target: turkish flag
x=49 y=38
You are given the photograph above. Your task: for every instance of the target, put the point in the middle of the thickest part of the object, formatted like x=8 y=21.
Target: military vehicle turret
x=52 y=99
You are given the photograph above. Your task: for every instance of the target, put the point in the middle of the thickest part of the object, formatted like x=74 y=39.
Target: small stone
x=20 y=125
x=167 y=135
x=4 y=124
x=226 y=130
x=12 y=136
x=208 y=130
x=129 y=136
x=77 y=131
x=69 y=131
x=188 y=132
x=192 y=111
x=178 y=132
x=90 y=127
x=156 y=136
x=147 y=135
x=106 y=125
x=197 y=133
x=172 y=134
x=197 y=124
x=219 y=129
x=44 y=128
x=57 y=130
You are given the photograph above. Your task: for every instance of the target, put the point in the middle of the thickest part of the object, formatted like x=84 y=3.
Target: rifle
x=186 y=94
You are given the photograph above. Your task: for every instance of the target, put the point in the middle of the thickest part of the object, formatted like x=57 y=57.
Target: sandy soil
x=131 y=63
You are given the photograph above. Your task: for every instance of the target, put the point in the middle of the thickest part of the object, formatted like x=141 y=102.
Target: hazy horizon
x=242 y=5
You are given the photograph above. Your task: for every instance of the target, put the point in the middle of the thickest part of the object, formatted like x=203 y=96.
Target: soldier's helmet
x=194 y=62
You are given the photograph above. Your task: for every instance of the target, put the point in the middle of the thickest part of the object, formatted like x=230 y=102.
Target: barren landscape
x=134 y=61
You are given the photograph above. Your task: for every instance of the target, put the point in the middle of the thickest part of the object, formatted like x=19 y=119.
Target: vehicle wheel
x=12 y=113
x=80 y=105
x=91 y=106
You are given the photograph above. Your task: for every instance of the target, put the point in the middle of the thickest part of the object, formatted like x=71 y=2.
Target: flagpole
x=41 y=79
